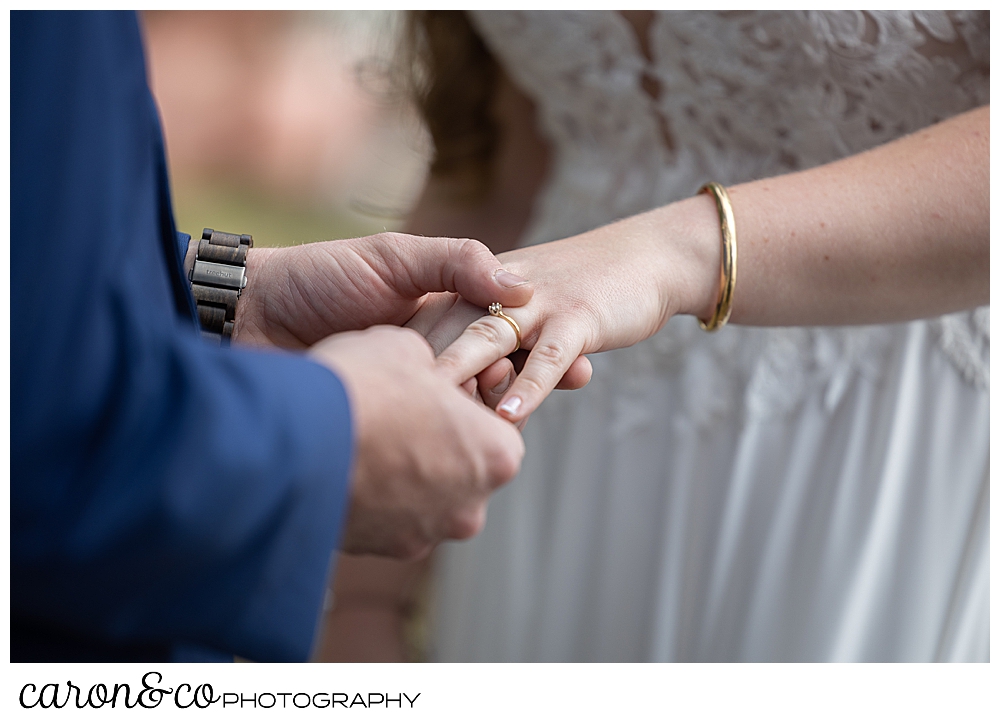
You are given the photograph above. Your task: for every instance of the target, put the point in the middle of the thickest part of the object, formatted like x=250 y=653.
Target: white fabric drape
x=757 y=494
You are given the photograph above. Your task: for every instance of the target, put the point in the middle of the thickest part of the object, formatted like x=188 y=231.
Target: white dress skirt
x=790 y=494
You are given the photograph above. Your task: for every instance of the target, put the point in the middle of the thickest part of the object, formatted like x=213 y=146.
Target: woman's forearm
x=896 y=233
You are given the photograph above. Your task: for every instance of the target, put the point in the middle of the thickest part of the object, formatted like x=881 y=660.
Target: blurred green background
x=271 y=220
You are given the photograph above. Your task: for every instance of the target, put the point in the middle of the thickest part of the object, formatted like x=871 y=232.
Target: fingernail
x=503 y=385
x=511 y=405
x=506 y=278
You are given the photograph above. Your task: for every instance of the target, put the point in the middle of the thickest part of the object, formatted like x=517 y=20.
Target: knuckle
x=469 y=247
x=447 y=363
x=487 y=330
x=549 y=352
x=470 y=254
x=533 y=385
x=506 y=462
x=469 y=524
x=459 y=249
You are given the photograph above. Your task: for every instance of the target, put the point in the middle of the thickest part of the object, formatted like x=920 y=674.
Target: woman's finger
x=550 y=359
x=483 y=342
x=495 y=380
x=578 y=375
x=450 y=326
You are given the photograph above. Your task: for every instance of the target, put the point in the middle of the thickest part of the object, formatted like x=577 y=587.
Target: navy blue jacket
x=168 y=499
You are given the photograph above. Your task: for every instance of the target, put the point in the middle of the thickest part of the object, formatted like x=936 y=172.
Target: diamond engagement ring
x=496 y=309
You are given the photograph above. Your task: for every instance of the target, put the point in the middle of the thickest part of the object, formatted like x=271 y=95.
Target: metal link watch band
x=218 y=276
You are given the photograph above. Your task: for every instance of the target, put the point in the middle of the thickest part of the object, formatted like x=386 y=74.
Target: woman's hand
x=896 y=233
x=605 y=289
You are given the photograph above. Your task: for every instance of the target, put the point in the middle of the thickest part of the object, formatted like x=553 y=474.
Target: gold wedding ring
x=497 y=310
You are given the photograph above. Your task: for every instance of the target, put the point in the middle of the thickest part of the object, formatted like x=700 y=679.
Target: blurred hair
x=453 y=79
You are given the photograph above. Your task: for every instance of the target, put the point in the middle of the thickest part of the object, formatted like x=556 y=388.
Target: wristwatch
x=216 y=266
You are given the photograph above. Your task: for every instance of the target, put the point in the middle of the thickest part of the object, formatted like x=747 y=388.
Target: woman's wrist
x=693 y=243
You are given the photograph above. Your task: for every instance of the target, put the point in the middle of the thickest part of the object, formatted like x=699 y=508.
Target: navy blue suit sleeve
x=162 y=491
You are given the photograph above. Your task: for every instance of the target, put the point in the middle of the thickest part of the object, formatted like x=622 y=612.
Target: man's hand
x=297 y=296
x=427 y=455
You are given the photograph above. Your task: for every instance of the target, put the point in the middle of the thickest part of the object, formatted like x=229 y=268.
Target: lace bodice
x=640 y=121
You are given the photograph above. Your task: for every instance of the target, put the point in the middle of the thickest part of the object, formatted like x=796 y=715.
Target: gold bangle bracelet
x=727 y=273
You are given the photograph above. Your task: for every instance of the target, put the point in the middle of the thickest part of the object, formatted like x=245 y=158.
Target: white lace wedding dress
x=793 y=494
